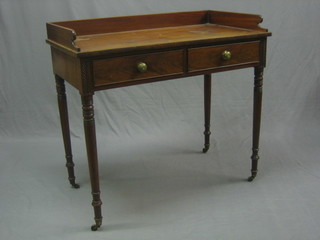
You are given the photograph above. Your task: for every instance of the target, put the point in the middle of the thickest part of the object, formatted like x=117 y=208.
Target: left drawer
x=137 y=67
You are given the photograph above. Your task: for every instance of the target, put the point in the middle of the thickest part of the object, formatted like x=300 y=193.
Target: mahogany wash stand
x=105 y=53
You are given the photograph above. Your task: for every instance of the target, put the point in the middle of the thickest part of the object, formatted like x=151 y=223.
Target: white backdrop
x=158 y=127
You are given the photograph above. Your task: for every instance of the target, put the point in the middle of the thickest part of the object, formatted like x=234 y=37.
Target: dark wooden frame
x=79 y=57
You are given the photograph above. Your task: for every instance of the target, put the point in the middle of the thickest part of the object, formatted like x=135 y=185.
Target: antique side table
x=106 y=53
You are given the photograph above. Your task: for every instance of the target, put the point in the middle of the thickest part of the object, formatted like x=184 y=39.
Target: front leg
x=91 y=144
x=257 y=102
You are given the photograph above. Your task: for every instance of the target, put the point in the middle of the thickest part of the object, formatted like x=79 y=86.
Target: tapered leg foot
x=254 y=159
x=71 y=178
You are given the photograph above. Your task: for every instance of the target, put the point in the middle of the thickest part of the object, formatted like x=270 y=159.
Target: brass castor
x=72 y=181
x=250 y=179
x=95 y=227
x=75 y=185
x=254 y=174
x=206 y=148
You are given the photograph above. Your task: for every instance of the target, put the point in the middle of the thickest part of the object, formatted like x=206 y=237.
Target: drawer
x=137 y=67
x=223 y=56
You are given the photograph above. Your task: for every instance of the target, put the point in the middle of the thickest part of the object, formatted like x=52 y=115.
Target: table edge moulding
x=105 y=53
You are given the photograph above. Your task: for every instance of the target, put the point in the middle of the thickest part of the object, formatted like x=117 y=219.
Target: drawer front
x=223 y=56
x=137 y=67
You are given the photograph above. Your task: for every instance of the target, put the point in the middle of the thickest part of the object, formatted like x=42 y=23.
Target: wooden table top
x=161 y=37
x=94 y=37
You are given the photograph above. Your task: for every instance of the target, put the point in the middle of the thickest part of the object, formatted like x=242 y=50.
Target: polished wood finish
x=104 y=35
x=211 y=57
x=258 y=83
x=64 y=120
x=67 y=67
x=116 y=70
x=207 y=111
x=239 y=20
x=91 y=143
x=134 y=23
x=106 y=53
x=158 y=37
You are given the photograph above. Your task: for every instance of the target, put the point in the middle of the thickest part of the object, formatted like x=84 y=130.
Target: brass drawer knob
x=142 y=67
x=226 y=55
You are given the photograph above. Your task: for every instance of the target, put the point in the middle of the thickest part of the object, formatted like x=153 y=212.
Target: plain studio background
x=155 y=183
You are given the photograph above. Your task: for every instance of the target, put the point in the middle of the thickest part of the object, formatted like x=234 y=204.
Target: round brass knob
x=142 y=67
x=226 y=55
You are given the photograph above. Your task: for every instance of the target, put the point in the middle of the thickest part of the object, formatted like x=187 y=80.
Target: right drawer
x=203 y=58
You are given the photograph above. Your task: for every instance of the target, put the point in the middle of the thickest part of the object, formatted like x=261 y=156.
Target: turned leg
x=207 y=110
x=91 y=144
x=64 y=119
x=257 y=101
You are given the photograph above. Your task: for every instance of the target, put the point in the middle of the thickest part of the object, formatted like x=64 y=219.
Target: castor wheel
x=205 y=149
x=250 y=179
x=95 y=227
x=75 y=185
